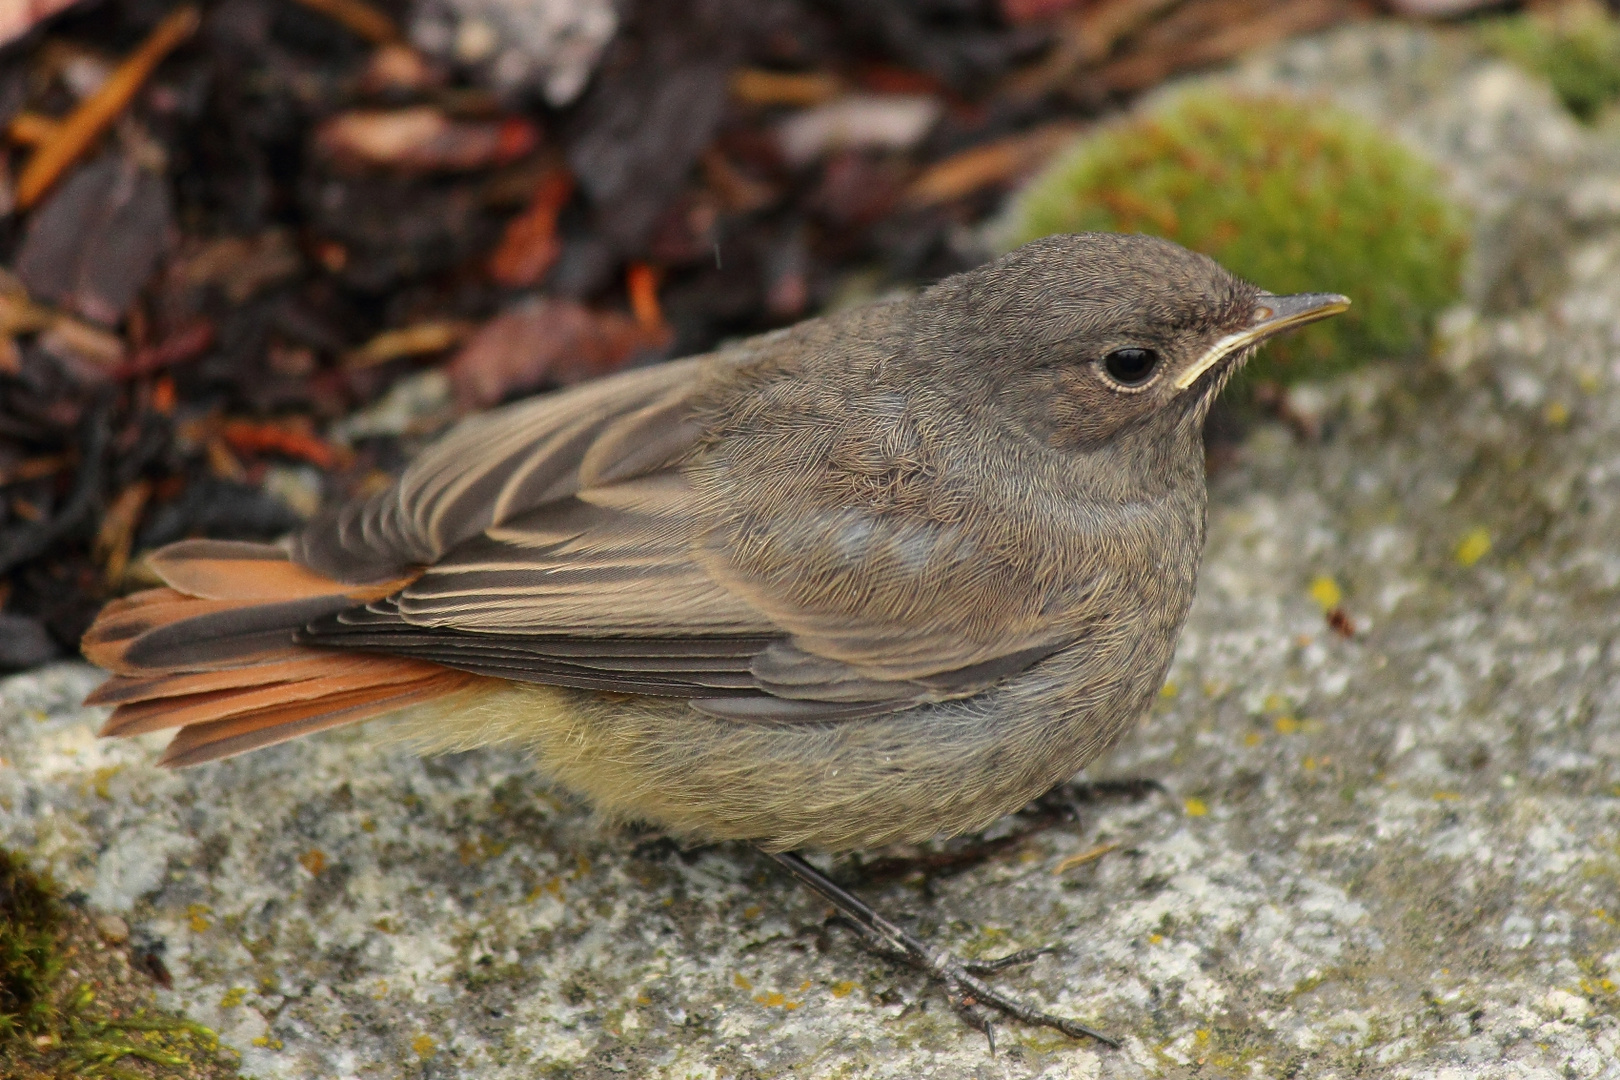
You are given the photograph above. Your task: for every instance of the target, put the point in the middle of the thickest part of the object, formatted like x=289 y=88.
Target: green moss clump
x=90 y=1020
x=1293 y=196
x=29 y=961
x=1575 y=47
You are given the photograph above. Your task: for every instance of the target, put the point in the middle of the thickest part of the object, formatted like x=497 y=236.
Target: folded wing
x=582 y=540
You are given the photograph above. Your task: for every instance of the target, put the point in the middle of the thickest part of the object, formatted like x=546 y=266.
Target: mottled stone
x=1394 y=854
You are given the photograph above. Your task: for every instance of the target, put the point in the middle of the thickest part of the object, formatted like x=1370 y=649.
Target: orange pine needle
x=529 y=246
x=97 y=112
x=164 y=396
x=247 y=437
x=33 y=129
x=641 y=282
x=117 y=532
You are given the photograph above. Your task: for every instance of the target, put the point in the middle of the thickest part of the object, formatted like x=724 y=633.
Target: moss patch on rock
x=1575 y=47
x=72 y=1005
x=29 y=960
x=1295 y=196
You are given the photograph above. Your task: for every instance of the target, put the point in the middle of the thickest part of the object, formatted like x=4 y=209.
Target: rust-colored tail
x=213 y=655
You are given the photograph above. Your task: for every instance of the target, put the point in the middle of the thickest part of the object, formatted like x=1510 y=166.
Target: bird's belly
x=933 y=770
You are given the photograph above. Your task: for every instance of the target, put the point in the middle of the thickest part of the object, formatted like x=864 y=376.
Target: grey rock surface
x=1396 y=854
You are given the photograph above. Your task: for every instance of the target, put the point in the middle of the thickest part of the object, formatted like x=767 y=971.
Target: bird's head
x=1091 y=339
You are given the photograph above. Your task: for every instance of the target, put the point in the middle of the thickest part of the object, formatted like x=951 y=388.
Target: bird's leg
x=967 y=993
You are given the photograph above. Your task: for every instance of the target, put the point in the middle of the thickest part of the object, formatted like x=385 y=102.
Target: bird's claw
x=971 y=997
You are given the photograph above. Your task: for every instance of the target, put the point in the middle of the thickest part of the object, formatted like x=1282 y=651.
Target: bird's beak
x=1272 y=315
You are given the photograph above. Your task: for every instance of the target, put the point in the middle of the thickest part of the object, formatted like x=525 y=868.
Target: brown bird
x=879 y=577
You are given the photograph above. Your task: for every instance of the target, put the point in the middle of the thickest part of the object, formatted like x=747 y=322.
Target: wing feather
x=490 y=468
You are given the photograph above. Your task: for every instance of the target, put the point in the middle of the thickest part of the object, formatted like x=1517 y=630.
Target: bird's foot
x=975 y=1000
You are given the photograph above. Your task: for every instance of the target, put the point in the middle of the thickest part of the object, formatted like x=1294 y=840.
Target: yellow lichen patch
x=233 y=997
x=1253 y=738
x=1556 y=413
x=1169 y=690
x=1326 y=592
x=775 y=1000
x=489 y=848
x=424 y=1046
x=1196 y=807
x=313 y=860
x=1474 y=546
x=101 y=778
x=197 y=916
x=554 y=886
x=842 y=989
x=742 y=982
x=1285 y=725
x=1446 y=796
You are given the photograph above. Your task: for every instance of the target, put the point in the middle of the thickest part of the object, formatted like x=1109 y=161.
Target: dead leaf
x=738 y=191
x=423 y=139
x=17 y=17
x=97 y=239
x=989 y=165
x=530 y=245
x=418 y=340
x=546 y=341
x=756 y=86
x=240 y=266
x=858 y=122
x=400 y=69
x=116 y=534
x=90 y=354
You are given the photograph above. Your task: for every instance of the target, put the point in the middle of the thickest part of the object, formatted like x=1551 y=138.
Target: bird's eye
x=1131 y=367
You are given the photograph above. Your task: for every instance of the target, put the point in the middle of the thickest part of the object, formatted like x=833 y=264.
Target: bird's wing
x=497 y=465
x=568 y=541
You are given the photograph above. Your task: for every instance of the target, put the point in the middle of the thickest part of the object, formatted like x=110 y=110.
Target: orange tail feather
x=213 y=655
